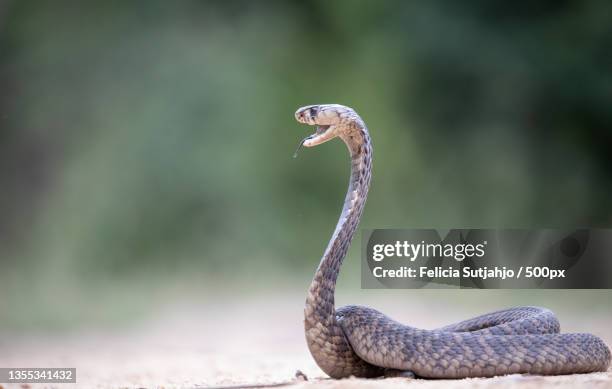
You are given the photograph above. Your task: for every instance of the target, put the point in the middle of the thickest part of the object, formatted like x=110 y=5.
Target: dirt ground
x=249 y=343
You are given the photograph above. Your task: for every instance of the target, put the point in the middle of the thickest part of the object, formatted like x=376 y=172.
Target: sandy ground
x=252 y=342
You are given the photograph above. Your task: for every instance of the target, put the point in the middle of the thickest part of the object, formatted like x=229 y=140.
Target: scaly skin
x=362 y=342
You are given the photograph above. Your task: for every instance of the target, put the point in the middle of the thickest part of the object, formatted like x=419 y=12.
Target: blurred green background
x=145 y=146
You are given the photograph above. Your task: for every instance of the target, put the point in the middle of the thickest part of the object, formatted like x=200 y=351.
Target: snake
x=362 y=342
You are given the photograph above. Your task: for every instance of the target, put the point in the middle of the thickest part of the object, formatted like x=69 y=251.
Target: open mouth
x=321 y=129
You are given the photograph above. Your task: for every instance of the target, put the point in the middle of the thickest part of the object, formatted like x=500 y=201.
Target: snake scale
x=362 y=342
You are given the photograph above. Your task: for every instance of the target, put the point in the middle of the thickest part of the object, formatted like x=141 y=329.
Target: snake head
x=328 y=119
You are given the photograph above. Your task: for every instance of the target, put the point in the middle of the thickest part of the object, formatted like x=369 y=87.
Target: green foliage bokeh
x=156 y=137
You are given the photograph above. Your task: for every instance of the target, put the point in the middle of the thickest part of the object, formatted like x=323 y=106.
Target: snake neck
x=320 y=308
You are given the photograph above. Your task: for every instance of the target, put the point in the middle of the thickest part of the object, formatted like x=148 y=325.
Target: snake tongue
x=301 y=145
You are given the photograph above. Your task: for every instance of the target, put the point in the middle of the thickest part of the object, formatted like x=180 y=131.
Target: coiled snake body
x=362 y=342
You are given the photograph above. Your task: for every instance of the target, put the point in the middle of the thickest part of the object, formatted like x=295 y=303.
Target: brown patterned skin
x=362 y=342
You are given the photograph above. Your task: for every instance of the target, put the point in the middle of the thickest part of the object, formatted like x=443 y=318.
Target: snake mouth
x=320 y=133
x=321 y=129
x=313 y=139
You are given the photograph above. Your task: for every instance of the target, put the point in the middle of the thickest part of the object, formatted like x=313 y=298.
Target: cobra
x=360 y=341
